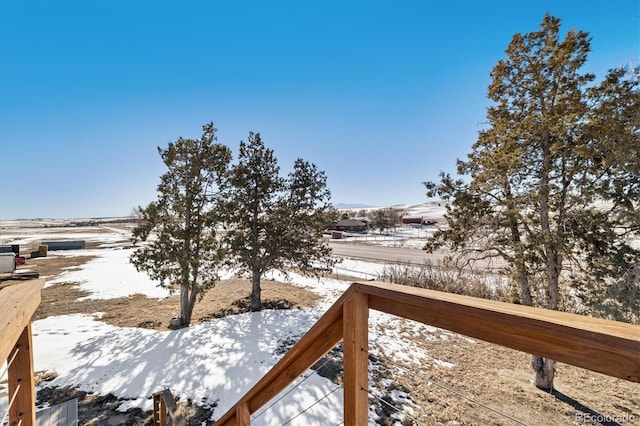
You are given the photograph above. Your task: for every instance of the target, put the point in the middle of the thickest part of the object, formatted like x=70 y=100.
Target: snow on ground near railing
x=213 y=363
x=110 y=275
x=406 y=236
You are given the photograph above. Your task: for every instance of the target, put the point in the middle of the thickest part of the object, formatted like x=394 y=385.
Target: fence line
x=366 y=274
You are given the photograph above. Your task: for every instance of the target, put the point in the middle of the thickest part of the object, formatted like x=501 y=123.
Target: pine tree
x=186 y=253
x=554 y=148
x=275 y=222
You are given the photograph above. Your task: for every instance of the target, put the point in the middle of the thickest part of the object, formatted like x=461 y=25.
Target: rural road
x=386 y=254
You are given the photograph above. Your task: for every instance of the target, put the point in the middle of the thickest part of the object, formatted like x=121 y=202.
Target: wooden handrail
x=17 y=304
x=323 y=336
x=608 y=347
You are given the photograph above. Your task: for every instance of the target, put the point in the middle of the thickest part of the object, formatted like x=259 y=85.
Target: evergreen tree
x=381 y=221
x=555 y=150
x=186 y=251
x=386 y=218
x=275 y=222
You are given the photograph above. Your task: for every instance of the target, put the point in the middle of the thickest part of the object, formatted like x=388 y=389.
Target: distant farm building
x=412 y=220
x=417 y=220
x=64 y=245
x=10 y=248
x=353 y=225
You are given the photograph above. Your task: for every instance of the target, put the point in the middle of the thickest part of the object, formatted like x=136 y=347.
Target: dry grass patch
x=227 y=298
x=54 y=265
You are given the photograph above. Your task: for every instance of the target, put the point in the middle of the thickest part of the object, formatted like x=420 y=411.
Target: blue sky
x=381 y=95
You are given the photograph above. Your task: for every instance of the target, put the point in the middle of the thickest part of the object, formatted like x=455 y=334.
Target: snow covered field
x=213 y=363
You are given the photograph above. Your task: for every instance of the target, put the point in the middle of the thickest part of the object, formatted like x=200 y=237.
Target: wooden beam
x=243 y=417
x=607 y=347
x=17 y=305
x=4 y=284
x=356 y=352
x=21 y=382
x=283 y=373
x=320 y=339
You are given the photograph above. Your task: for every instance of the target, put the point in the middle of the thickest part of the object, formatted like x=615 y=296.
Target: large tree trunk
x=185 y=310
x=554 y=267
x=524 y=290
x=545 y=369
x=193 y=295
x=256 y=301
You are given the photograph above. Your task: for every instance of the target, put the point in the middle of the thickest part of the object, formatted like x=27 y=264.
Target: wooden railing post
x=356 y=352
x=165 y=407
x=159 y=410
x=21 y=383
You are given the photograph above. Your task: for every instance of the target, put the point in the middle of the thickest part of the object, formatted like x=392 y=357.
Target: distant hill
x=345 y=206
x=429 y=210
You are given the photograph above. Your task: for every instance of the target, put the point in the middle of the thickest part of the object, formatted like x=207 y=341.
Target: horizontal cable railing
x=595 y=344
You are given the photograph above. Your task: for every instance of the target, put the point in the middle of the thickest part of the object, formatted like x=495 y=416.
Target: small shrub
x=447 y=279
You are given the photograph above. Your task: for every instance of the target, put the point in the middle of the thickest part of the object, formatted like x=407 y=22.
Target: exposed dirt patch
x=226 y=298
x=53 y=265
x=487 y=376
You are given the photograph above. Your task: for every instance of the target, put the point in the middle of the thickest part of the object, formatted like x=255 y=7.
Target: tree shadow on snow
x=214 y=363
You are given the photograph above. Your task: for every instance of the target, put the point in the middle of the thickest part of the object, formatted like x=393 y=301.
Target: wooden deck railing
x=608 y=347
x=18 y=302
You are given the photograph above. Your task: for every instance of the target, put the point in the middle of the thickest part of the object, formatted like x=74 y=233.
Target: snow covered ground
x=405 y=236
x=213 y=363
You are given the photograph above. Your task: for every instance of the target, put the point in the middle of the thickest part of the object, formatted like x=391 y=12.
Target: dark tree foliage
x=185 y=252
x=386 y=218
x=275 y=222
x=551 y=187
